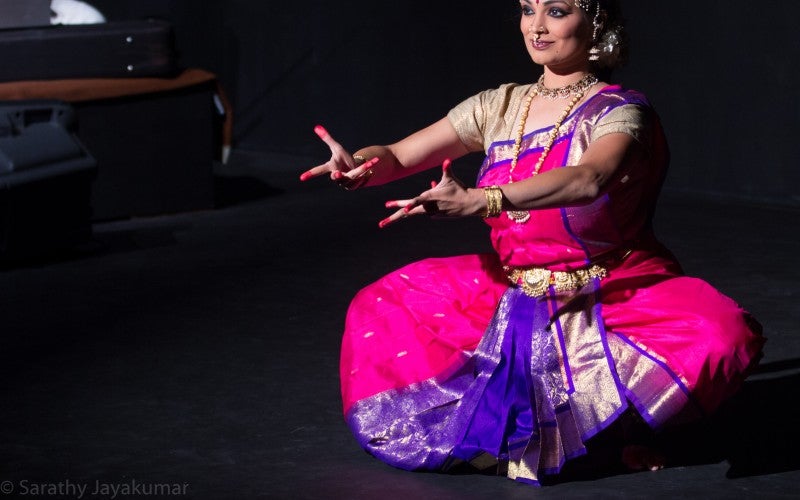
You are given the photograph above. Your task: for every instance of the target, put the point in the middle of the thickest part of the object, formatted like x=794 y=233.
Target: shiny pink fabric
x=705 y=337
x=417 y=323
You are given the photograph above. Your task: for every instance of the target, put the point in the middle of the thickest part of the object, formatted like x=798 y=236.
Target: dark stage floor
x=200 y=350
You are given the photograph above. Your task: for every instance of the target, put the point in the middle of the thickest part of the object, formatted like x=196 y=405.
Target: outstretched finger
x=337 y=151
x=326 y=137
x=447 y=171
x=355 y=178
x=392 y=218
x=400 y=215
x=399 y=203
x=407 y=208
x=364 y=168
x=314 y=172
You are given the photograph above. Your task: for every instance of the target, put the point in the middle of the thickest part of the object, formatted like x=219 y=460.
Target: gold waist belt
x=535 y=281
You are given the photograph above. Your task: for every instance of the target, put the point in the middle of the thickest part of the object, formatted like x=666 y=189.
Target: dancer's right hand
x=343 y=169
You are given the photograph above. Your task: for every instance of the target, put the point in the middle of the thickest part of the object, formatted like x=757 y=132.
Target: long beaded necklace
x=577 y=91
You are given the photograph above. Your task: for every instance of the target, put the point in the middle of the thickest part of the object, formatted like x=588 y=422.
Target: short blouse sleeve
x=479 y=119
x=628 y=119
x=469 y=120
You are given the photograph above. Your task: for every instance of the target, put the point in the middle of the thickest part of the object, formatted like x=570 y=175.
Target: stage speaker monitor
x=45 y=179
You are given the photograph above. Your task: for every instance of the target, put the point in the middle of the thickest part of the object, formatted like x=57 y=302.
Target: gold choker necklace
x=577 y=90
x=581 y=86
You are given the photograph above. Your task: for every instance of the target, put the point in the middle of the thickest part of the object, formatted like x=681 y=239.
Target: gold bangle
x=494 y=201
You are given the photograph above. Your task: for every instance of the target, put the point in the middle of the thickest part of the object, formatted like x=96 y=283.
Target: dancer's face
x=557 y=34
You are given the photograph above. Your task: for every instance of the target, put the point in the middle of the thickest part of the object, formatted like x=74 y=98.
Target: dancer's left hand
x=447 y=198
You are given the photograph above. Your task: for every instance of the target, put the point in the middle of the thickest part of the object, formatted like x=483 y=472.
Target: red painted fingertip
x=406 y=209
x=433 y=184
x=385 y=222
x=304 y=176
x=337 y=174
x=320 y=131
x=371 y=162
x=446 y=164
x=391 y=204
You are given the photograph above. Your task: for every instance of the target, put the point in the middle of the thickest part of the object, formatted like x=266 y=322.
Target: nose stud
x=538 y=34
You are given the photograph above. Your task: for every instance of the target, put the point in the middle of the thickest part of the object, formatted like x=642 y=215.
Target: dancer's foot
x=638 y=457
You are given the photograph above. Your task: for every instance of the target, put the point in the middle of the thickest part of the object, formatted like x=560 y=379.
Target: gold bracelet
x=360 y=160
x=494 y=201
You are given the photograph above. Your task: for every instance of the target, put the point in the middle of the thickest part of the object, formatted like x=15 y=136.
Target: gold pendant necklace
x=577 y=90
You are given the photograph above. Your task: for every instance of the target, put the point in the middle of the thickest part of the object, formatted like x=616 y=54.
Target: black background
x=723 y=75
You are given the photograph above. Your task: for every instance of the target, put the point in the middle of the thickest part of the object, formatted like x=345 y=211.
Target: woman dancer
x=581 y=321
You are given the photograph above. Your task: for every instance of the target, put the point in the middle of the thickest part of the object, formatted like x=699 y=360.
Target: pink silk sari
x=444 y=361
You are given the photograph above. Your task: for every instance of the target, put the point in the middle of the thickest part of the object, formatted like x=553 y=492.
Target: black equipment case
x=45 y=180
x=107 y=50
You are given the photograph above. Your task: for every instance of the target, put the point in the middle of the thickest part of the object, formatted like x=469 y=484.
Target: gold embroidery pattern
x=535 y=281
